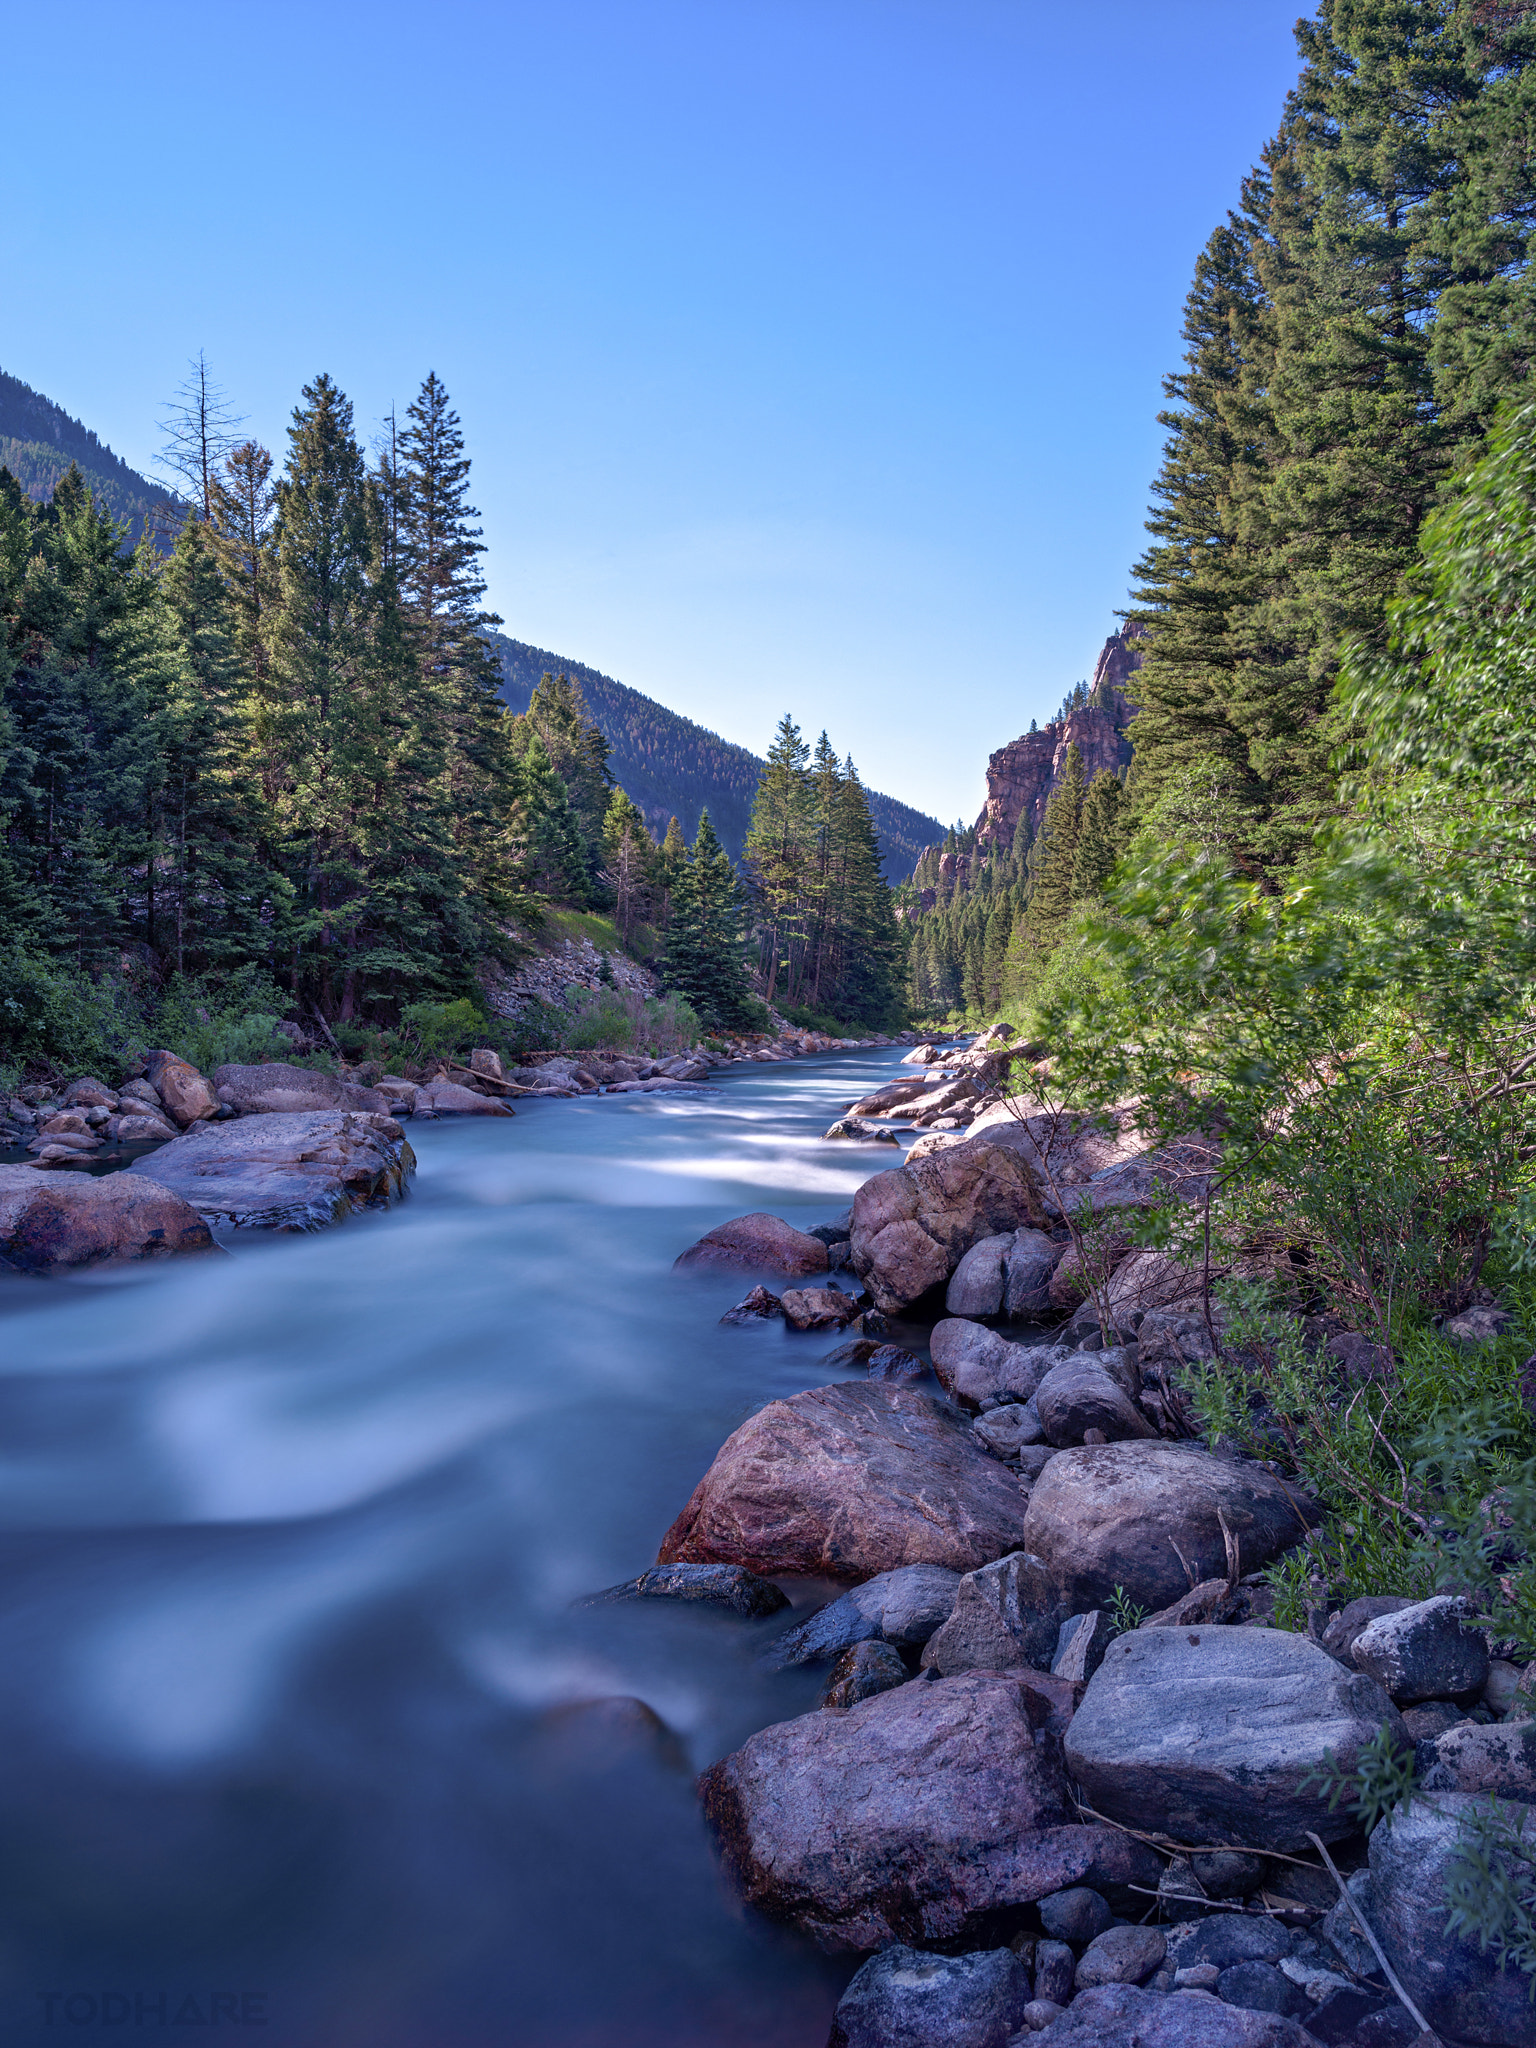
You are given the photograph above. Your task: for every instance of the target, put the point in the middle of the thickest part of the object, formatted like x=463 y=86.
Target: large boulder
x=903 y=1607
x=913 y=1225
x=1458 y=1987
x=1499 y=1760
x=761 y=1241
x=1128 y=2016
x=286 y=1171
x=1147 y=1517
x=274 y=1089
x=1027 y=1269
x=1429 y=1651
x=846 y=1481
x=976 y=1287
x=903 y=1998
x=973 y=1363
x=53 y=1220
x=1224 y=1735
x=913 y=1817
x=452 y=1098
x=1150 y=1280
x=184 y=1091
x=1091 y=1390
x=1005 y=1615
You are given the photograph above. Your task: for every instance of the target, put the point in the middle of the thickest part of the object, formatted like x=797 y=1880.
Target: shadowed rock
x=284 y=1172
x=715 y=1585
x=903 y=1998
x=278 y=1090
x=50 y=1221
x=758 y=1240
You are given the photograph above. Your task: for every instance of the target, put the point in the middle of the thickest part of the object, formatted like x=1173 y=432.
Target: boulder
x=885 y=1101
x=88 y=1093
x=278 y=1090
x=714 y=1585
x=51 y=1140
x=1076 y=1915
x=181 y=1088
x=915 y=1816
x=1459 y=1988
x=861 y=1131
x=452 y=1098
x=1481 y=1325
x=1149 y=1280
x=758 y=1240
x=913 y=1225
x=284 y=1172
x=817 y=1308
x=1502 y=1691
x=51 y=1221
x=1080 y=1645
x=1130 y=2016
x=1147 y=1516
x=863 y=1670
x=1031 y=1260
x=133 y=1129
x=1350 y=1621
x=1007 y=1430
x=1005 y=1615
x=973 y=1363
x=891 y=1362
x=1498 y=1760
x=1121 y=1955
x=1429 y=1651
x=903 y=1998
x=1088 y=1392
x=902 y=1607
x=1223 y=1735
x=976 y=1287
x=755 y=1307
x=846 y=1481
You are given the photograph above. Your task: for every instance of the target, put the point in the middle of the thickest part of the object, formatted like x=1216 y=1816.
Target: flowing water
x=289 y=1662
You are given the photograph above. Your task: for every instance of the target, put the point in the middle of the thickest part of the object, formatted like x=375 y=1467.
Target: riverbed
x=296 y=1728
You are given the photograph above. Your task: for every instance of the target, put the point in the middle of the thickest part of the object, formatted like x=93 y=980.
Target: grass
x=602 y=932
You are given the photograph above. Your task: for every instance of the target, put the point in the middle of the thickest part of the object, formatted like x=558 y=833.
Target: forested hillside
x=39 y=441
x=673 y=768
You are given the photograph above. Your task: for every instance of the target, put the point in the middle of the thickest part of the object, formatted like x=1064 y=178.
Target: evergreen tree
x=705 y=941
x=778 y=846
x=629 y=861
x=1100 y=839
x=1053 y=896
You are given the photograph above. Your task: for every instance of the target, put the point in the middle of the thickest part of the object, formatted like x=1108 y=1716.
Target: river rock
x=452 y=1098
x=1007 y=1430
x=1027 y=1268
x=274 y=1089
x=183 y=1090
x=1121 y=1514
x=846 y=1481
x=1087 y=1392
x=1428 y=1651
x=913 y=1225
x=754 y=1307
x=1499 y=1760
x=885 y=1101
x=284 y=1172
x=862 y=1671
x=715 y=1585
x=914 y=1816
x=903 y=1998
x=1129 y=2016
x=1080 y=1645
x=903 y=1607
x=1005 y=1615
x=976 y=1286
x=1076 y=1915
x=1213 y=1735
x=133 y=1129
x=1352 y=1620
x=1120 y=1955
x=973 y=1363
x=88 y=1093
x=757 y=1240
x=862 y=1131
x=891 y=1362
x=50 y=1221
x=1460 y=1990
x=818 y=1308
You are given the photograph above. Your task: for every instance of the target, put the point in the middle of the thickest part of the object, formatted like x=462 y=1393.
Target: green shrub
x=215 y=1021
x=438 y=1028
x=52 y=1012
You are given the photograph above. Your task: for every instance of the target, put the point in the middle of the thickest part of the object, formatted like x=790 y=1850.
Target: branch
x=1365 y=1928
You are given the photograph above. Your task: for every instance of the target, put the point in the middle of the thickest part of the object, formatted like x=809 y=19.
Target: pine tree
x=778 y=846
x=243 y=504
x=1100 y=839
x=629 y=861
x=705 y=942
x=1052 y=898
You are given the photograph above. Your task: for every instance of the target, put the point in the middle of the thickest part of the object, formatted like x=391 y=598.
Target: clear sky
x=808 y=351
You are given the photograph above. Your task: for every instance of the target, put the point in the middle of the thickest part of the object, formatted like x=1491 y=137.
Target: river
x=288 y=1649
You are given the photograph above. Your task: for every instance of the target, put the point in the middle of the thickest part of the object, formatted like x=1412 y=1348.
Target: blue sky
x=808 y=351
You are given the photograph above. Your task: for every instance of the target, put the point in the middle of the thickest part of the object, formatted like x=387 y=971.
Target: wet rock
x=278 y=1090
x=1121 y=1955
x=1080 y=1645
x=862 y=1131
x=452 y=1098
x=974 y=1363
x=818 y=1308
x=758 y=1240
x=1223 y=1734
x=1005 y=1615
x=1055 y=1968
x=916 y=1815
x=1082 y=1394
x=52 y=1221
x=1134 y=1514
x=976 y=1286
x=912 y=1226
x=716 y=1585
x=1499 y=1760
x=756 y=1307
x=596 y=1737
x=284 y=1172
x=182 y=1089
x=846 y=1481
x=1128 y=2016
x=835 y=1232
x=902 y=1607
x=1076 y=1915
x=1460 y=1991
x=1260 y=1987
x=891 y=1362
x=857 y=1351
x=1428 y=1651
x=1007 y=1430
x=1343 y=1628
x=862 y=1671
x=894 y=1096
x=903 y=1998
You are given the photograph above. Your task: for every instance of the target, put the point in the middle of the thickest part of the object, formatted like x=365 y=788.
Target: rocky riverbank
x=1068 y=1776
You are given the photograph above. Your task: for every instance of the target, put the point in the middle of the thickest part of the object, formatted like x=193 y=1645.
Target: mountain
x=672 y=767
x=38 y=442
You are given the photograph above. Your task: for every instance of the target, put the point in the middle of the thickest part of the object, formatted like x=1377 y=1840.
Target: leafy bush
x=806 y=1019
x=625 y=1021
x=438 y=1028
x=52 y=1012
x=1491 y=1890
x=217 y=1021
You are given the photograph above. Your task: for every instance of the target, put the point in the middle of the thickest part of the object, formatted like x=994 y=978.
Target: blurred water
x=288 y=1544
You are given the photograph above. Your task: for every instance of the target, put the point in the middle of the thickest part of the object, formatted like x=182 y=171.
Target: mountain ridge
x=38 y=442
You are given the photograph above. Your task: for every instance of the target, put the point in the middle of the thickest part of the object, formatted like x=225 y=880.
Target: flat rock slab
x=759 y=1240
x=275 y=1089
x=1125 y=2016
x=1133 y=1514
x=49 y=1221
x=1223 y=1735
x=911 y=1817
x=846 y=1481
x=284 y=1172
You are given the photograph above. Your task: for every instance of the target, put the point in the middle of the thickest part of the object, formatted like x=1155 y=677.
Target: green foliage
x=1124 y=1614
x=705 y=943
x=438 y=1028
x=1382 y=1779
x=621 y=1020
x=51 y=1012
x=215 y=1021
x=1491 y=1890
